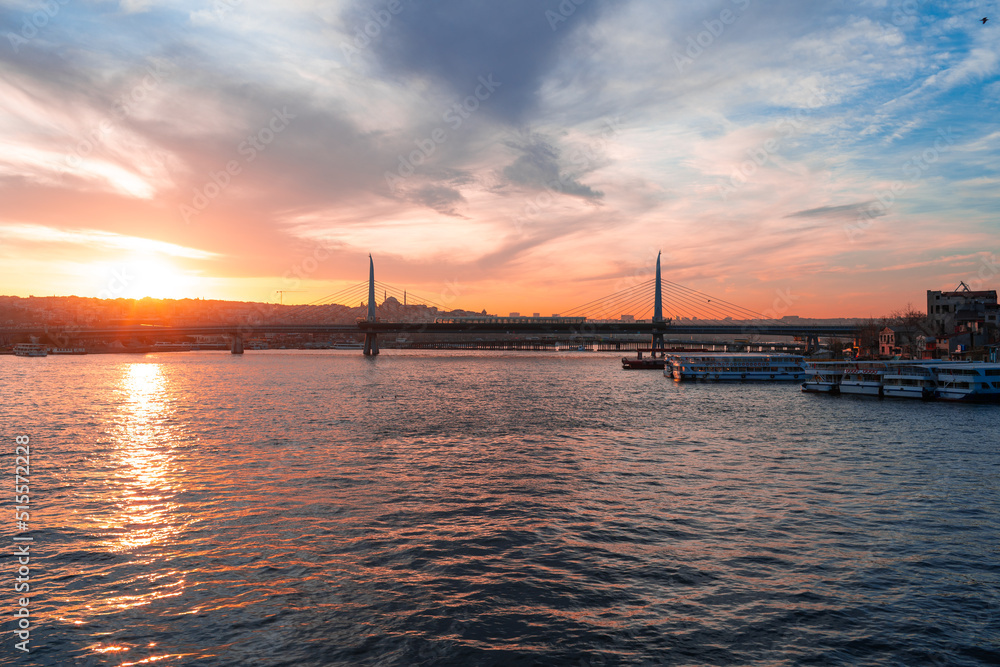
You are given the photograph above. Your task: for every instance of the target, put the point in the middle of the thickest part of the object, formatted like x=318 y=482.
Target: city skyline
x=522 y=157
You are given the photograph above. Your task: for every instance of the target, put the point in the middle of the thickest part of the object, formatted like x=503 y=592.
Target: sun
x=154 y=276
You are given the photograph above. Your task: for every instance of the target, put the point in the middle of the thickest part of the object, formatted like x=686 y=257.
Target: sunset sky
x=523 y=155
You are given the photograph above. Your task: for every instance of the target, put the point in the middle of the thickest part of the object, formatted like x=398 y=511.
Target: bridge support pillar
x=236 y=346
x=812 y=343
x=656 y=345
x=371 y=344
x=371 y=339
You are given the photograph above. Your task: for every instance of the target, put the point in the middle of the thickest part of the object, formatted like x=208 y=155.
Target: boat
x=863 y=379
x=739 y=366
x=171 y=347
x=909 y=381
x=649 y=363
x=824 y=377
x=968 y=381
x=30 y=350
x=348 y=346
x=925 y=379
x=68 y=350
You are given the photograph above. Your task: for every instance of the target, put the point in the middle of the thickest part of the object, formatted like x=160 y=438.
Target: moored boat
x=736 y=367
x=30 y=350
x=824 y=377
x=171 y=347
x=648 y=363
x=909 y=381
x=970 y=381
x=863 y=379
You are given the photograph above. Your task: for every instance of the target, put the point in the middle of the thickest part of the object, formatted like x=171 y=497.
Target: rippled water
x=292 y=508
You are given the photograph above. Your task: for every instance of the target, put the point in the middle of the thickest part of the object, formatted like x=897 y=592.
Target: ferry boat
x=824 y=377
x=969 y=381
x=68 y=350
x=30 y=350
x=863 y=379
x=745 y=366
x=917 y=378
x=171 y=347
x=644 y=363
x=910 y=381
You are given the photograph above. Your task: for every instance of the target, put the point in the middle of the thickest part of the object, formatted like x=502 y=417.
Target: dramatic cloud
x=525 y=150
x=456 y=42
x=539 y=167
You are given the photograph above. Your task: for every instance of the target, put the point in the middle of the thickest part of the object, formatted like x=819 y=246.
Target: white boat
x=30 y=350
x=68 y=350
x=863 y=378
x=824 y=377
x=910 y=381
x=969 y=381
x=728 y=367
x=171 y=347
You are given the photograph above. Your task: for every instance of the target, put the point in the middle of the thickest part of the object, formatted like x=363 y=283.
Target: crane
x=282 y=292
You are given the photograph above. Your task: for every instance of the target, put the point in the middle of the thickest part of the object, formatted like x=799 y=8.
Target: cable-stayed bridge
x=656 y=308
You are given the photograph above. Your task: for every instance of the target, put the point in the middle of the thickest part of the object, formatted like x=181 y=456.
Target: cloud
x=454 y=42
x=812 y=105
x=98 y=239
x=538 y=167
x=844 y=211
x=440 y=198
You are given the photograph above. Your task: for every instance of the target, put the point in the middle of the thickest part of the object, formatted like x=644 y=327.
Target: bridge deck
x=586 y=329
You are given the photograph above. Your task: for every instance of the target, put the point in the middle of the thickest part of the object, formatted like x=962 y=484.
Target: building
x=887 y=343
x=961 y=310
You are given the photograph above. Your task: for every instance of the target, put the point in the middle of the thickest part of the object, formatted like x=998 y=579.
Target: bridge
x=574 y=327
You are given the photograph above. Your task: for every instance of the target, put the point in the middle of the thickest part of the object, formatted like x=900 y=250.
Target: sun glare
x=151 y=276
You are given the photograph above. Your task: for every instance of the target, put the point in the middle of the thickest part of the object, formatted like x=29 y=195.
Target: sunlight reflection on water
x=481 y=508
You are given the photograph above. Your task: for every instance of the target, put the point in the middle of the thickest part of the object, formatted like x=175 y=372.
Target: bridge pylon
x=371 y=339
x=656 y=345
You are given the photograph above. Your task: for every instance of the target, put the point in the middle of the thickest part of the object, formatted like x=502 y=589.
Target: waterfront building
x=963 y=308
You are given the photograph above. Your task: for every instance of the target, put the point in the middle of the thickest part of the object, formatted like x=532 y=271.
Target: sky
x=819 y=159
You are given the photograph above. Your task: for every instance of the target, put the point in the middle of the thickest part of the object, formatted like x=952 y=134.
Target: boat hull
x=643 y=364
x=968 y=396
x=729 y=376
x=861 y=388
x=821 y=387
x=921 y=393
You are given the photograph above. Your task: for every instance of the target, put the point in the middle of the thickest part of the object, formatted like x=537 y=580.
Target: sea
x=488 y=508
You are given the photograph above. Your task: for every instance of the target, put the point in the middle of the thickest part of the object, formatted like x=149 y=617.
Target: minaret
x=371 y=340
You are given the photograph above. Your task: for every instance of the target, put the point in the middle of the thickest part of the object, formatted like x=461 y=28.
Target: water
x=320 y=508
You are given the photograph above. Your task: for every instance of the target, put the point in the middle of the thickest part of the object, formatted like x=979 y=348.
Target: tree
x=909 y=324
